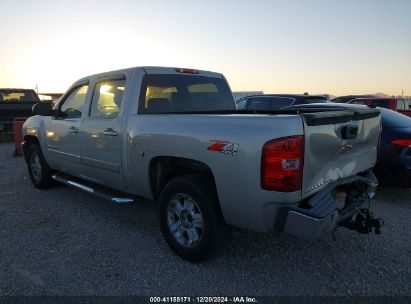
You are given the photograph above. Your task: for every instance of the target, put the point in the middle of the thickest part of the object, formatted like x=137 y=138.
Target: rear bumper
x=308 y=227
x=325 y=213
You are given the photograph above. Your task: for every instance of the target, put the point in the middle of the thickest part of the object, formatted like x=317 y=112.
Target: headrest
x=25 y=98
x=158 y=105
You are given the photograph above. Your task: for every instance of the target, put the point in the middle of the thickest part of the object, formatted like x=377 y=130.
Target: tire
x=188 y=218
x=40 y=173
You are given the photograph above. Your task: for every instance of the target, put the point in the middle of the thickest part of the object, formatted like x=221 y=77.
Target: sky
x=294 y=46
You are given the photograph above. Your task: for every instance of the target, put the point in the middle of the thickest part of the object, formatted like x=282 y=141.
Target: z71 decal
x=224 y=147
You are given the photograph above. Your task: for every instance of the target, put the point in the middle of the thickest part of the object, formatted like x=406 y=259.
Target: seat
x=181 y=102
x=213 y=102
x=158 y=105
x=25 y=98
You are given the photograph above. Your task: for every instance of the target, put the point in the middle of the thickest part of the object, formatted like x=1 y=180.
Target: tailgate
x=9 y=110
x=338 y=144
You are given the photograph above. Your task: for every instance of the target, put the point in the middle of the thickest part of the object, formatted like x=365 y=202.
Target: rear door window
x=107 y=98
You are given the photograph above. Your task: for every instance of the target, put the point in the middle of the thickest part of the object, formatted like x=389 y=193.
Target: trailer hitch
x=364 y=222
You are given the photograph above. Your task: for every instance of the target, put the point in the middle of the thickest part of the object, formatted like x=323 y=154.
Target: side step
x=98 y=191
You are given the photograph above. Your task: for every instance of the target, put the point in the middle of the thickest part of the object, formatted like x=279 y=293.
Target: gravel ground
x=66 y=242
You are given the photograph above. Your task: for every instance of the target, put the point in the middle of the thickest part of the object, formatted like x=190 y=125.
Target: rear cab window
x=173 y=93
x=10 y=95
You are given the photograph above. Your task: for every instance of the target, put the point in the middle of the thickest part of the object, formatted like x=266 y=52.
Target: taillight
x=402 y=142
x=282 y=164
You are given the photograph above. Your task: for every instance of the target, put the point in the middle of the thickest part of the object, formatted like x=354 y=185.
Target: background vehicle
x=174 y=135
x=277 y=101
x=396 y=104
x=347 y=98
x=393 y=167
x=15 y=103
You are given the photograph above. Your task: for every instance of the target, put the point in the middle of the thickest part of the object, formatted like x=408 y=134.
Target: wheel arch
x=164 y=168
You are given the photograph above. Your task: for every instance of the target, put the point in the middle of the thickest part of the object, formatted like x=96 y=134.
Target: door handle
x=110 y=132
x=73 y=130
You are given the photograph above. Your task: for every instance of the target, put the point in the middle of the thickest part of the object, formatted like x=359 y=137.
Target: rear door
x=338 y=144
x=101 y=143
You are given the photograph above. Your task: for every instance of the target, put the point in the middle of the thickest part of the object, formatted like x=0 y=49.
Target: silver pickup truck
x=174 y=136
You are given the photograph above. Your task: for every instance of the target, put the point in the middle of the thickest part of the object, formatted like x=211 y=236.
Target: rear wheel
x=188 y=218
x=40 y=173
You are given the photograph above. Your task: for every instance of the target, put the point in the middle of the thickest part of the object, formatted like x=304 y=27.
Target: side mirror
x=42 y=108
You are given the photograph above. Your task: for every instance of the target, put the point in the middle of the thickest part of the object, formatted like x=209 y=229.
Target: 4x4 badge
x=224 y=147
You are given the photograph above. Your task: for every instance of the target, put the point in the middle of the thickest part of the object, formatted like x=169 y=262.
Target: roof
x=152 y=70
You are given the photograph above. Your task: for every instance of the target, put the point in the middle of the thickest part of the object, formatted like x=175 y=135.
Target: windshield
x=171 y=93
x=18 y=96
x=315 y=100
x=394 y=119
x=268 y=103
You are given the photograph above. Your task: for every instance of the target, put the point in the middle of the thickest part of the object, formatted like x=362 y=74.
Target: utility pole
x=37 y=89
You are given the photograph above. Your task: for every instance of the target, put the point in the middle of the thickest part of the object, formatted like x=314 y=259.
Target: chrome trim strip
x=65 y=154
x=100 y=164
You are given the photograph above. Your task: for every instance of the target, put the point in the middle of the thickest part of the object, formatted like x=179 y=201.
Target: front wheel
x=188 y=218
x=40 y=173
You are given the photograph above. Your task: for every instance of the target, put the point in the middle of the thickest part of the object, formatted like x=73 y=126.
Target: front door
x=101 y=150
x=62 y=133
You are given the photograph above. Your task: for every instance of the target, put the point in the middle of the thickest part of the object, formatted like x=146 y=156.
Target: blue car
x=393 y=167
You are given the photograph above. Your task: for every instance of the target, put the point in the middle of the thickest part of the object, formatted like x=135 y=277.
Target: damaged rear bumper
x=323 y=212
